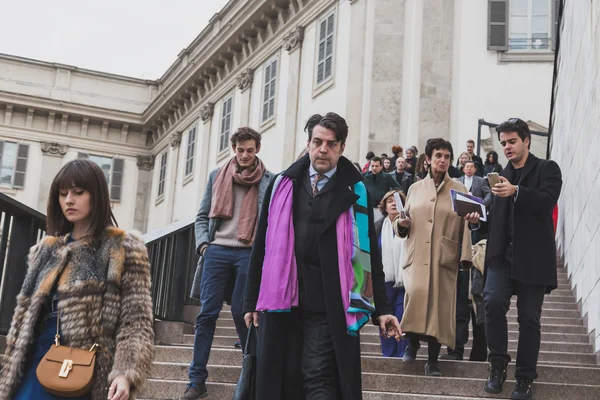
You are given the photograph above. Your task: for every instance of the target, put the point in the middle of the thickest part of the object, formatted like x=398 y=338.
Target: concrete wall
x=576 y=144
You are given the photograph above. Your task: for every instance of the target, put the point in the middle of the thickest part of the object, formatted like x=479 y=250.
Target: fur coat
x=104 y=297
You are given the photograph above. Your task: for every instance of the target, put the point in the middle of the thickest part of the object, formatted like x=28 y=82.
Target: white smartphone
x=493 y=178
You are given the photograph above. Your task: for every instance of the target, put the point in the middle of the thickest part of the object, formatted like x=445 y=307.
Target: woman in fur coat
x=97 y=278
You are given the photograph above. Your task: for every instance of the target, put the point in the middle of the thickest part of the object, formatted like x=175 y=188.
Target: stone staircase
x=567 y=364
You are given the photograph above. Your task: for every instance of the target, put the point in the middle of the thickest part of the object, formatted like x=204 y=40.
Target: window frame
x=273 y=81
x=223 y=145
x=529 y=35
x=162 y=175
x=327 y=81
x=190 y=155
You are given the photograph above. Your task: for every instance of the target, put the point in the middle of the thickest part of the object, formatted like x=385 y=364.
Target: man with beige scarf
x=225 y=228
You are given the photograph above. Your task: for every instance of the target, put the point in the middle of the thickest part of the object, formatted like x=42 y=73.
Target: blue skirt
x=30 y=386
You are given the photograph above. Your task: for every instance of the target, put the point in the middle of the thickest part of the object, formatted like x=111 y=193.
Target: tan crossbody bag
x=65 y=371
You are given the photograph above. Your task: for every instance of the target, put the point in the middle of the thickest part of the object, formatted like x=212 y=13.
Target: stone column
x=206 y=116
x=174 y=141
x=244 y=83
x=52 y=160
x=386 y=75
x=292 y=43
x=144 y=189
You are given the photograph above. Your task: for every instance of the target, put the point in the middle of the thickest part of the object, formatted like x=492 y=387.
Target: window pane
x=518 y=42
x=539 y=24
x=519 y=7
x=321 y=51
x=541 y=7
x=266 y=93
x=271 y=107
x=328 y=67
x=540 y=41
x=320 y=70
x=323 y=32
x=273 y=69
x=268 y=73
x=272 y=90
x=329 y=46
x=105 y=165
x=9 y=158
x=330 y=25
x=518 y=25
x=265 y=111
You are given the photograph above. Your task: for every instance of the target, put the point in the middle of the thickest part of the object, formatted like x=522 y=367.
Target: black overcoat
x=534 y=247
x=347 y=348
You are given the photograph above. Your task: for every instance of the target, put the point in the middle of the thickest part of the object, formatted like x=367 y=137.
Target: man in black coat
x=308 y=353
x=521 y=255
x=403 y=178
x=378 y=183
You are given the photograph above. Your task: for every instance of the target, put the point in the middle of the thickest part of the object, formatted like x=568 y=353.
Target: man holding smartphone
x=521 y=255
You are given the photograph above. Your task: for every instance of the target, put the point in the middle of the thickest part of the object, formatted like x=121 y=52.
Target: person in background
x=475 y=157
x=91 y=281
x=225 y=230
x=476 y=185
x=398 y=151
x=411 y=159
x=378 y=183
x=438 y=243
x=369 y=157
x=453 y=172
x=403 y=178
x=491 y=163
x=391 y=246
x=422 y=167
x=387 y=165
x=308 y=343
x=462 y=160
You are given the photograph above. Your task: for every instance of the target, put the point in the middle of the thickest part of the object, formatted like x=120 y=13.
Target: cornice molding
x=54 y=149
x=145 y=163
x=244 y=81
x=294 y=39
x=79 y=142
x=207 y=111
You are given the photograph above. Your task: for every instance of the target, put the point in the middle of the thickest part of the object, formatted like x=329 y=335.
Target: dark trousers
x=296 y=359
x=219 y=264
x=433 y=346
x=464 y=314
x=499 y=288
x=389 y=346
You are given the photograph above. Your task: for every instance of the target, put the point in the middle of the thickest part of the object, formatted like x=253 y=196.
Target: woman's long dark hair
x=87 y=175
x=494 y=157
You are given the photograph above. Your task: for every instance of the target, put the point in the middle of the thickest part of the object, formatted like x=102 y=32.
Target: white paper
x=482 y=214
x=399 y=205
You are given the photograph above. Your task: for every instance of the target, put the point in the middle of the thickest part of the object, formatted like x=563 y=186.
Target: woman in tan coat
x=438 y=240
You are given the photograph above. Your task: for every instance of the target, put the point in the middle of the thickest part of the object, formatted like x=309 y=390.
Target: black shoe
x=497 y=375
x=522 y=390
x=237 y=344
x=194 y=391
x=432 y=370
x=452 y=356
x=410 y=355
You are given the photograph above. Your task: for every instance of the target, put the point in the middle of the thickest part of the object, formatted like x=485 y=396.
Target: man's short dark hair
x=384 y=155
x=243 y=134
x=376 y=159
x=331 y=121
x=370 y=155
x=470 y=141
x=438 y=144
x=470 y=162
x=515 y=125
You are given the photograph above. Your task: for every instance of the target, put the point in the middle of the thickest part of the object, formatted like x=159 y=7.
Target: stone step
x=421 y=385
x=576 y=327
x=374 y=330
x=457 y=369
x=184 y=354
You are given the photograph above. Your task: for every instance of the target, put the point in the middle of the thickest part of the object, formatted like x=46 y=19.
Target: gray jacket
x=206 y=227
x=480 y=188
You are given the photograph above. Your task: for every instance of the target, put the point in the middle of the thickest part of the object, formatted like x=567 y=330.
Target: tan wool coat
x=103 y=289
x=430 y=260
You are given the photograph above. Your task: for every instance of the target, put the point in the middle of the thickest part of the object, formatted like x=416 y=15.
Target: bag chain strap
x=57 y=336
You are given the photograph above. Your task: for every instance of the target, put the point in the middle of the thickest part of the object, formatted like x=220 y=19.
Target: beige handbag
x=65 y=371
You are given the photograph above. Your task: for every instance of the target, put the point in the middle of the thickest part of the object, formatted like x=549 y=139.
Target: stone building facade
x=575 y=144
x=400 y=71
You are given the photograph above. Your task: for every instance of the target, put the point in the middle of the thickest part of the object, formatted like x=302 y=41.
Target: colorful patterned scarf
x=279 y=284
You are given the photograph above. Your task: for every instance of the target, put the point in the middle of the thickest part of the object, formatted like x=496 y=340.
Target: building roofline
x=85 y=71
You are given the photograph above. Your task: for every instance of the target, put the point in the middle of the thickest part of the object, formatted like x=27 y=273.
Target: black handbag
x=246 y=386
